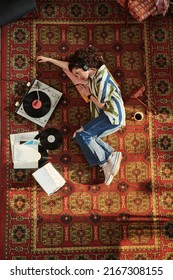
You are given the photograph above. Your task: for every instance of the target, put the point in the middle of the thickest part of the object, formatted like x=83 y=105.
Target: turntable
x=39 y=102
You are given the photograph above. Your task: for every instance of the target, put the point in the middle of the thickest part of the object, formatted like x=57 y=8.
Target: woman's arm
x=64 y=65
x=86 y=92
x=59 y=63
x=96 y=102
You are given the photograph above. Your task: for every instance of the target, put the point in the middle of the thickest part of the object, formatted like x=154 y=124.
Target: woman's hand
x=83 y=89
x=42 y=59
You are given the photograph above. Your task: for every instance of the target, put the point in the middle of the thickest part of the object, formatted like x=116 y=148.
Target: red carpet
x=132 y=218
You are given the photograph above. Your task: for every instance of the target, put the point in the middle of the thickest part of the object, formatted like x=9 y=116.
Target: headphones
x=79 y=64
x=85 y=67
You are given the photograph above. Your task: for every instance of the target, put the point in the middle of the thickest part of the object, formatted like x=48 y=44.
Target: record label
x=36 y=104
x=51 y=139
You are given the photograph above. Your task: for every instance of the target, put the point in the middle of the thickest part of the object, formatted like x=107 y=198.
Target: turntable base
x=39 y=103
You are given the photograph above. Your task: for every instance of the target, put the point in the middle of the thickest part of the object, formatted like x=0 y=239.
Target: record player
x=39 y=102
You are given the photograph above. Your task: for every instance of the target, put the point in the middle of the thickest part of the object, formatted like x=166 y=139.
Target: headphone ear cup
x=85 y=67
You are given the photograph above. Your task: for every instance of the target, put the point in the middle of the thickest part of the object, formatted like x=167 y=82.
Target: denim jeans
x=94 y=149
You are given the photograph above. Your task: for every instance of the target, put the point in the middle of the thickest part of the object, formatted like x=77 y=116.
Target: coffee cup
x=138 y=116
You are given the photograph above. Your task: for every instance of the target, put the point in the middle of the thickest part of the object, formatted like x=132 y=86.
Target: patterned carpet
x=130 y=219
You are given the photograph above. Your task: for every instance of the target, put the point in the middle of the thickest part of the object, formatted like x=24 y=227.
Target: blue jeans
x=94 y=149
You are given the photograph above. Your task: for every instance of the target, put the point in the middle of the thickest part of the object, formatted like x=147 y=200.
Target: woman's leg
x=94 y=149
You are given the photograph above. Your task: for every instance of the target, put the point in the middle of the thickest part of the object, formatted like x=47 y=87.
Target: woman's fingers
x=80 y=87
x=40 y=59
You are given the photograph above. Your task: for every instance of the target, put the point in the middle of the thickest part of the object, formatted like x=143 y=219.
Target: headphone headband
x=78 y=64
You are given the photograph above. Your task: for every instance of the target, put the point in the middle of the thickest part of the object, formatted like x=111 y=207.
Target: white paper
x=26 y=156
x=49 y=178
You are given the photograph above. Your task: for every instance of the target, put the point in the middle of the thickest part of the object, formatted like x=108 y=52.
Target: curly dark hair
x=88 y=56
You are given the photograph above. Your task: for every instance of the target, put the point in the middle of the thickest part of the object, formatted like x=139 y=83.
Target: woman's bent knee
x=77 y=132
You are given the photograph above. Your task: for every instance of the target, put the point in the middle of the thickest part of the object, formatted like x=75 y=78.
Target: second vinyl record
x=51 y=138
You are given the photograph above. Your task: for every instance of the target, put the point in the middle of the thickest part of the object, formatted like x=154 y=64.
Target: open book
x=49 y=178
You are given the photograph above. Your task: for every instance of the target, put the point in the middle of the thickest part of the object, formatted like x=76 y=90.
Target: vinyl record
x=44 y=156
x=51 y=138
x=36 y=104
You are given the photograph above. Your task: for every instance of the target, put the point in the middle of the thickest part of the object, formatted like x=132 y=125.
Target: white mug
x=138 y=116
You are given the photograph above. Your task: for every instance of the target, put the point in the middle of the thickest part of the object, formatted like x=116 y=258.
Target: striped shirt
x=106 y=90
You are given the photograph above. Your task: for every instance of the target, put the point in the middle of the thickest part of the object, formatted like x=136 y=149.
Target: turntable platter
x=36 y=104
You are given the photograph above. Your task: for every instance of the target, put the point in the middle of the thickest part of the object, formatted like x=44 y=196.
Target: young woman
x=106 y=105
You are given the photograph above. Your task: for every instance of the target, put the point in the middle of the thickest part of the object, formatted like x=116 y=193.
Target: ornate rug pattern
x=130 y=219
